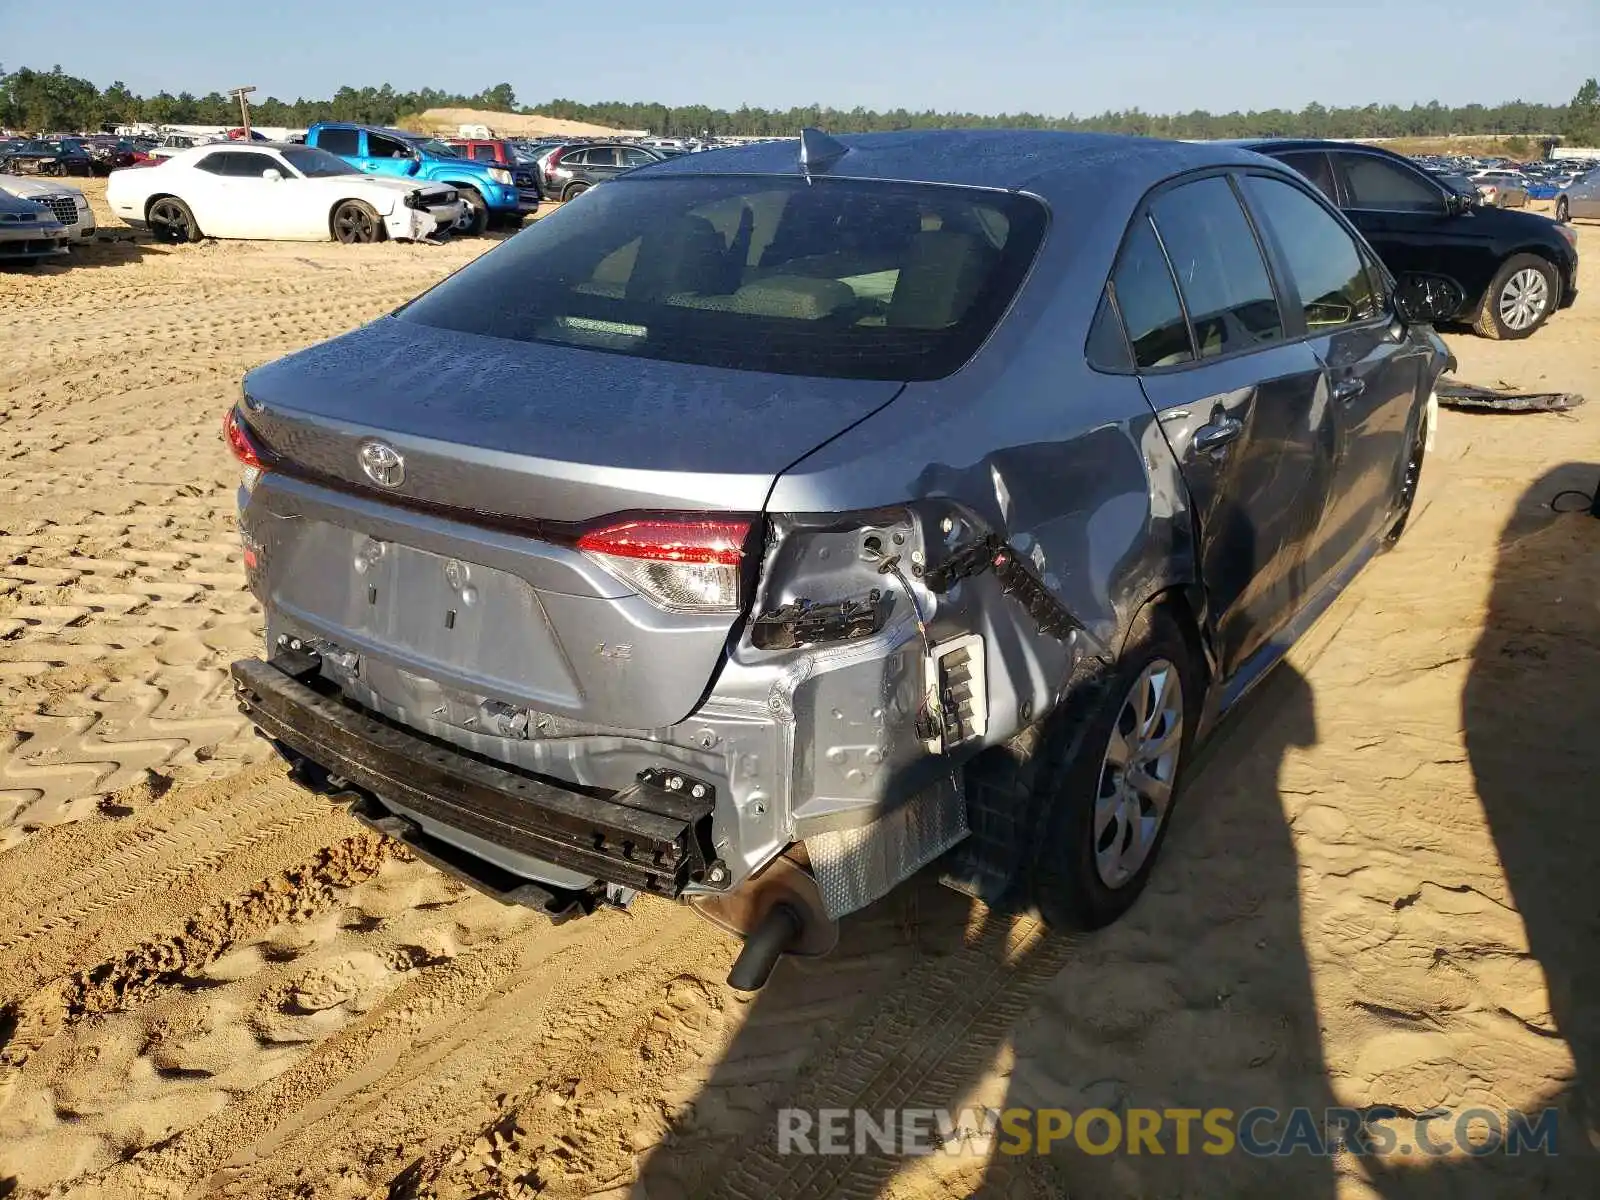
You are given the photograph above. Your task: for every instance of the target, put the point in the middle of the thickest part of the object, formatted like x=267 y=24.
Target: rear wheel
x=1103 y=772
x=475 y=213
x=356 y=223
x=171 y=221
x=573 y=190
x=1519 y=300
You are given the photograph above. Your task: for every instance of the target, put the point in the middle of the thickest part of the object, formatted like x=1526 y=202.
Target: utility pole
x=240 y=94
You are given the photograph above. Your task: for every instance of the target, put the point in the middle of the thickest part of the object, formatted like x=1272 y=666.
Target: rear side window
x=1323 y=259
x=1314 y=165
x=339 y=141
x=483 y=153
x=840 y=278
x=1219 y=267
x=1148 y=300
x=1376 y=184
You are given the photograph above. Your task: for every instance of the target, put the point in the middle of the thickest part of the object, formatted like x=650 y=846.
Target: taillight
x=682 y=564
x=234 y=433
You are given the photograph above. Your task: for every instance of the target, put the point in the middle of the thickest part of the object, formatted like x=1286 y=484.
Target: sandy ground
x=1383 y=886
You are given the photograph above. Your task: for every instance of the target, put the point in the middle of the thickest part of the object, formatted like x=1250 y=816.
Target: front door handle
x=1348 y=389
x=1219 y=432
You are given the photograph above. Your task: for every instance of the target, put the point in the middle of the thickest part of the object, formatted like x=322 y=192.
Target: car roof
x=997 y=158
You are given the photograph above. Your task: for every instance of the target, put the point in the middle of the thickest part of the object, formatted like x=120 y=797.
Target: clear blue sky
x=1046 y=56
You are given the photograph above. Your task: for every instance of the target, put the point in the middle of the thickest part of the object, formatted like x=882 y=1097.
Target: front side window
x=379 y=146
x=1385 y=186
x=483 y=153
x=1148 y=301
x=838 y=278
x=1324 y=261
x=339 y=141
x=634 y=157
x=1219 y=267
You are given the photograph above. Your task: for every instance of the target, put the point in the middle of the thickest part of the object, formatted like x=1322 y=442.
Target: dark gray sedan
x=855 y=467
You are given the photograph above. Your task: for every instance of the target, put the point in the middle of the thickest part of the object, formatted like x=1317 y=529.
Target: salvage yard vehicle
x=67 y=204
x=569 y=171
x=489 y=193
x=502 y=153
x=926 y=496
x=1514 y=269
x=29 y=233
x=47 y=157
x=1580 y=198
x=273 y=190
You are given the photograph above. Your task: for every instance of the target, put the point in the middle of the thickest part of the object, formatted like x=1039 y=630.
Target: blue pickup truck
x=491 y=192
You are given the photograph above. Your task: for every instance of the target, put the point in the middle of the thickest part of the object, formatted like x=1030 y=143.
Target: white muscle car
x=66 y=204
x=272 y=190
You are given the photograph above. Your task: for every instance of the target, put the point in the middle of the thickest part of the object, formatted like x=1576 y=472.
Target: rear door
x=1243 y=406
x=1374 y=372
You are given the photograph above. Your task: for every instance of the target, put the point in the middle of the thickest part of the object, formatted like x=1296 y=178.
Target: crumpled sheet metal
x=1470 y=396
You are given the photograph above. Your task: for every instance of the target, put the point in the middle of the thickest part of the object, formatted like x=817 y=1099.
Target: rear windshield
x=840 y=278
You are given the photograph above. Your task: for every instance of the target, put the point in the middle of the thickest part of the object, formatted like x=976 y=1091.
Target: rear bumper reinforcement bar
x=652 y=836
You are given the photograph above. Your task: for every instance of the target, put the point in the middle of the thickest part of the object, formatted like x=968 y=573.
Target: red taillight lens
x=238 y=439
x=686 y=564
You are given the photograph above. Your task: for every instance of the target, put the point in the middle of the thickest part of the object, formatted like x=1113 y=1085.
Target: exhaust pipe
x=777 y=911
x=778 y=930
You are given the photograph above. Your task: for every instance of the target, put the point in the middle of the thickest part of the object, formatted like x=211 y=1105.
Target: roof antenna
x=818 y=151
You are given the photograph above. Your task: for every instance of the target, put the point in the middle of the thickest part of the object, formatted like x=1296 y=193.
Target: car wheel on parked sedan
x=355 y=222
x=474 y=212
x=1519 y=300
x=1563 y=210
x=1104 y=770
x=171 y=220
x=573 y=190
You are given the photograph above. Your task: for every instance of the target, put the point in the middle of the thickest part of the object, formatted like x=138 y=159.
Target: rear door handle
x=1221 y=431
x=1348 y=389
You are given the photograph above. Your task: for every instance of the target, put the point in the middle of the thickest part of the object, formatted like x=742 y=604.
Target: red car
x=501 y=152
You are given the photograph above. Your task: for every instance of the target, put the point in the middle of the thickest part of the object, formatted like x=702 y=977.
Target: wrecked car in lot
x=855 y=478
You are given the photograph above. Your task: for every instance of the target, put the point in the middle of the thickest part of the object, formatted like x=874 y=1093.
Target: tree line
x=45 y=101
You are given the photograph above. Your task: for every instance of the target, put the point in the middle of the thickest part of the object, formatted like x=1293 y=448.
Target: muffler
x=778 y=911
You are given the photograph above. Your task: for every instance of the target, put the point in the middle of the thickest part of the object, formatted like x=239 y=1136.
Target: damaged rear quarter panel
x=1066 y=464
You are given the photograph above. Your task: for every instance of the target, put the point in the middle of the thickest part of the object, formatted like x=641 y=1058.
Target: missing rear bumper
x=651 y=837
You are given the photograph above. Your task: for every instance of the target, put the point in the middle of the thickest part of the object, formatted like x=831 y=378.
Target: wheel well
x=465 y=187
x=150 y=202
x=1183 y=602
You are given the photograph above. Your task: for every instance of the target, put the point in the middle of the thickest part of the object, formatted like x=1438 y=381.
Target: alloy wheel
x=1138 y=773
x=171 y=220
x=353 y=224
x=1524 y=299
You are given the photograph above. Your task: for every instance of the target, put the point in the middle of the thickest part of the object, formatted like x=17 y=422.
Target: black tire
x=573 y=190
x=172 y=221
x=355 y=223
x=1061 y=765
x=476 y=219
x=1409 y=481
x=1563 y=209
x=1517 y=272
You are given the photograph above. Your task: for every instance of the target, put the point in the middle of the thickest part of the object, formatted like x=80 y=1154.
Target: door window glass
x=339 y=141
x=1382 y=185
x=1219 y=267
x=214 y=164
x=249 y=166
x=379 y=146
x=634 y=157
x=1315 y=167
x=1323 y=259
x=483 y=153
x=1148 y=300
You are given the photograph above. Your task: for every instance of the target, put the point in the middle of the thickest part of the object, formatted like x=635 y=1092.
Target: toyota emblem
x=382 y=464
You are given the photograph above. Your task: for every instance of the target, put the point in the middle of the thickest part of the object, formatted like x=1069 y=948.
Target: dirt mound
x=449 y=121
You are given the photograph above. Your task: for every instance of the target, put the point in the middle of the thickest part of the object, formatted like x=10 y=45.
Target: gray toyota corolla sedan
x=770 y=523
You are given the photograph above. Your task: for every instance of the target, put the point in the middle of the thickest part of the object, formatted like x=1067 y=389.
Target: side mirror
x=1427 y=299
x=272 y=175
